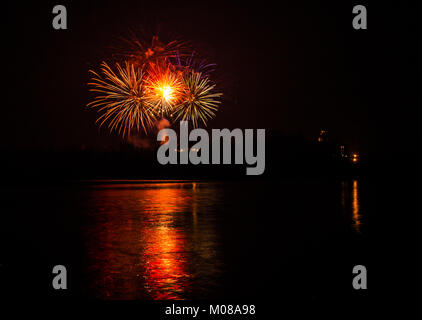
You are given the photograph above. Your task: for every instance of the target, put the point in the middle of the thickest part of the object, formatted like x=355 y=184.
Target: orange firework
x=164 y=89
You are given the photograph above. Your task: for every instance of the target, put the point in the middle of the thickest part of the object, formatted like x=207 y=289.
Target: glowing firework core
x=167 y=93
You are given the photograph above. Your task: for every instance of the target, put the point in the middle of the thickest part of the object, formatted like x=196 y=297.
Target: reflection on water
x=355 y=206
x=152 y=241
x=350 y=202
x=188 y=240
x=184 y=240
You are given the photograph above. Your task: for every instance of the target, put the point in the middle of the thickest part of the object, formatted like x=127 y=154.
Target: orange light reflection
x=166 y=273
x=351 y=203
x=355 y=206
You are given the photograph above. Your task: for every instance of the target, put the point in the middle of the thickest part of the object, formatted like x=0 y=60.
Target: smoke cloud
x=140 y=142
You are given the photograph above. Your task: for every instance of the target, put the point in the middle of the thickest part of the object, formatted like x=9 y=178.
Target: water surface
x=189 y=239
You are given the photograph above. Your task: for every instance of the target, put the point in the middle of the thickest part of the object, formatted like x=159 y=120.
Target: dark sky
x=297 y=67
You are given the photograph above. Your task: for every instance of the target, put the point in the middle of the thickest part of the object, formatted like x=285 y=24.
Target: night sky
x=294 y=68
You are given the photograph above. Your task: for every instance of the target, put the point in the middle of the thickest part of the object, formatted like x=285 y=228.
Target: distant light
x=355 y=157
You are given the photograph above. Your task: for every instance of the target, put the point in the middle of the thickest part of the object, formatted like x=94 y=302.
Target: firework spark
x=121 y=98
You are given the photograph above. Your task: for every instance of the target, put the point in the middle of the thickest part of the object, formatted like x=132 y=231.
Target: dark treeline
x=286 y=157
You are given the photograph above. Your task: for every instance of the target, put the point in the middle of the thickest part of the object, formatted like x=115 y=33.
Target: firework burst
x=199 y=102
x=164 y=89
x=121 y=99
x=141 y=52
x=157 y=80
